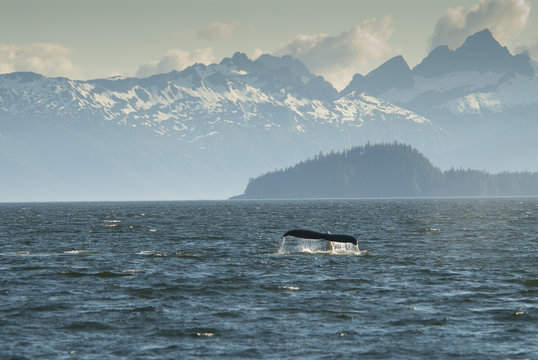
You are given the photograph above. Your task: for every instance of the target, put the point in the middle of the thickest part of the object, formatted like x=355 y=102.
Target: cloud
x=176 y=59
x=504 y=18
x=218 y=30
x=214 y=31
x=531 y=49
x=43 y=58
x=257 y=52
x=339 y=57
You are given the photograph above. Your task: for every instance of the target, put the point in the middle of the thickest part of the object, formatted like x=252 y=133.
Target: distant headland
x=384 y=170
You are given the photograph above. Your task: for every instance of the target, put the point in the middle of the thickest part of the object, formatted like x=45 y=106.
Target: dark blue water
x=438 y=278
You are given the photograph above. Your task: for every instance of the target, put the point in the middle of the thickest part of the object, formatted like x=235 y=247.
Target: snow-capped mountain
x=204 y=131
x=480 y=65
x=480 y=93
x=198 y=133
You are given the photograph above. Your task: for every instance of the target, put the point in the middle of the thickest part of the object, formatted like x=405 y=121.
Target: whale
x=309 y=234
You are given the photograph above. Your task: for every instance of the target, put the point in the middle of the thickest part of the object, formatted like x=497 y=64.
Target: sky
x=335 y=39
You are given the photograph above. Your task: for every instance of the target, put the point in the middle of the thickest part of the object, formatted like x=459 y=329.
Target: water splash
x=282 y=246
x=317 y=247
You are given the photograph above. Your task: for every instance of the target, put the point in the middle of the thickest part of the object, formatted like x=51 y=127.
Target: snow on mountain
x=198 y=133
x=481 y=65
x=515 y=93
x=366 y=105
x=441 y=88
x=204 y=131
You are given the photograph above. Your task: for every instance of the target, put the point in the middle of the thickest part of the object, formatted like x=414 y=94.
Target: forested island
x=384 y=170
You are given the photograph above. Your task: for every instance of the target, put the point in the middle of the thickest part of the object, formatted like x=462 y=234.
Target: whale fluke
x=309 y=234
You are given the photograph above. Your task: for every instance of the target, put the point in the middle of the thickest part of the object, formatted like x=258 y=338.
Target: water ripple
x=436 y=278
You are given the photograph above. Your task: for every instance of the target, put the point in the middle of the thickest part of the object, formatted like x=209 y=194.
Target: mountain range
x=482 y=95
x=204 y=131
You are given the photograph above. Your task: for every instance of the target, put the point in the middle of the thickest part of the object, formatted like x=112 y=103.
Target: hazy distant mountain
x=198 y=133
x=393 y=74
x=383 y=170
x=481 y=59
x=202 y=132
x=480 y=93
x=480 y=52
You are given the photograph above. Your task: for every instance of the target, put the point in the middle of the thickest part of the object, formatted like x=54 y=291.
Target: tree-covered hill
x=383 y=170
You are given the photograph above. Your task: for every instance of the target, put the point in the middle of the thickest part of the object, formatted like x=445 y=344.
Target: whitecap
x=206 y=334
x=77 y=251
x=151 y=252
x=293 y=288
x=72 y=252
x=111 y=222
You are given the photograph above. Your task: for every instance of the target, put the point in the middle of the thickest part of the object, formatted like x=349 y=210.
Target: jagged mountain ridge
x=482 y=94
x=394 y=73
x=480 y=52
x=172 y=135
x=202 y=132
x=236 y=86
x=480 y=58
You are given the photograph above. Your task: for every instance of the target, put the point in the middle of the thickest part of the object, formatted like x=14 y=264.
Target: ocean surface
x=431 y=278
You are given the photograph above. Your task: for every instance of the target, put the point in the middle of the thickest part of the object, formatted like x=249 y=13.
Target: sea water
x=430 y=278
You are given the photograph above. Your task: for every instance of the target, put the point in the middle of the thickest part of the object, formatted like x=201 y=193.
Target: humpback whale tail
x=308 y=234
